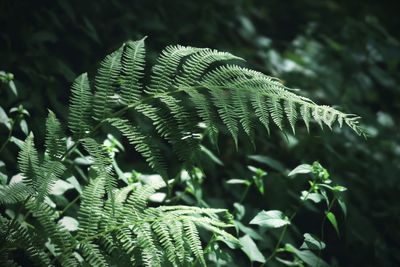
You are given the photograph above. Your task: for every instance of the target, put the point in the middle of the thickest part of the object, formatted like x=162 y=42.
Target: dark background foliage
x=337 y=52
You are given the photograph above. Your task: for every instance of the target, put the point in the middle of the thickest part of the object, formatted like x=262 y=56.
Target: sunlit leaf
x=270 y=219
x=251 y=249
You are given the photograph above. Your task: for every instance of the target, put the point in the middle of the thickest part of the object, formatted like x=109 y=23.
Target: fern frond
x=28 y=161
x=168 y=128
x=49 y=173
x=21 y=237
x=102 y=163
x=206 y=113
x=133 y=61
x=80 y=106
x=261 y=110
x=149 y=251
x=253 y=82
x=291 y=113
x=196 y=65
x=14 y=193
x=193 y=239
x=166 y=69
x=306 y=116
x=106 y=82
x=55 y=144
x=164 y=238
x=241 y=105
x=143 y=144
x=92 y=255
x=59 y=236
x=90 y=211
x=139 y=198
x=226 y=111
x=176 y=228
x=185 y=145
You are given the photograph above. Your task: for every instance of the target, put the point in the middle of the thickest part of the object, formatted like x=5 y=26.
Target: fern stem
x=69 y=205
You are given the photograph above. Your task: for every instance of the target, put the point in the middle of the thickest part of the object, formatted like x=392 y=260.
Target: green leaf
x=273 y=163
x=301 y=169
x=240 y=210
x=238 y=181
x=306 y=256
x=59 y=187
x=4 y=118
x=13 y=88
x=251 y=249
x=332 y=219
x=312 y=242
x=24 y=127
x=339 y=188
x=248 y=231
x=211 y=155
x=343 y=206
x=270 y=219
x=315 y=197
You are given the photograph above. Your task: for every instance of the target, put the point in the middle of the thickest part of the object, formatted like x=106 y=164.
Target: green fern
x=188 y=87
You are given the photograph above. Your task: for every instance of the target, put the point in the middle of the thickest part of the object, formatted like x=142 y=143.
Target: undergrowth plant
x=192 y=93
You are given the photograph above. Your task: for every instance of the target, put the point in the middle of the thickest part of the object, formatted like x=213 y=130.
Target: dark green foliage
x=339 y=52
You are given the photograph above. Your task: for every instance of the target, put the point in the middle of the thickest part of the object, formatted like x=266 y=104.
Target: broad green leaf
x=312 y=242
x=306 y=256
x=251 y=249
x=270 y=219
x=59 y=187
x=301 y=169
x=315 y=197
x=248 y=231
x=273 y=163
x=4 y=118
x=24 y=127
x=332 y=219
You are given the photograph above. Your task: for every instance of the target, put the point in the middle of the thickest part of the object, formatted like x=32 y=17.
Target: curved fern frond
x=20 y=237
x=101 y=163
x=93 y=255
x=106 y=82
x=54 y=137
x=14 y=193
x=28 y=161
x=193 y=238
x=90 y=211
x=50 y=171
x=166 y=69
x=143 y=144
x=133 y=61
x=149 y=251
x=59 y=236
x=80 y=106
x=196 y=65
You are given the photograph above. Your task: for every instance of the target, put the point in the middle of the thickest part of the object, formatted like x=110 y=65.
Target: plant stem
x=8 y=137
x=282 y=235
